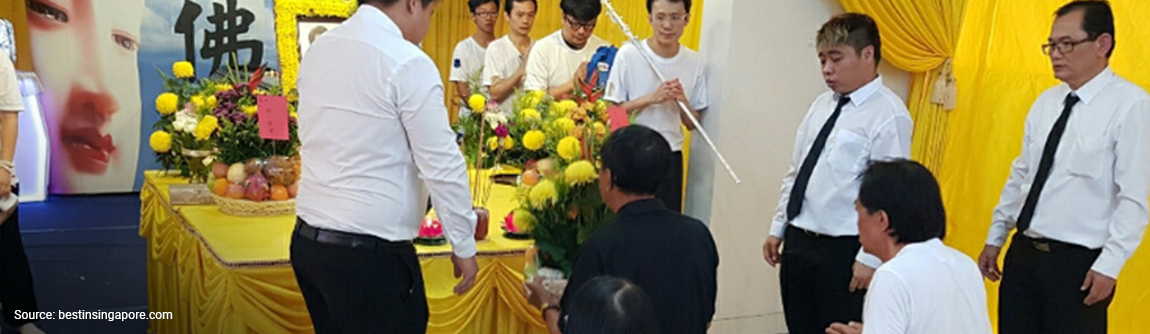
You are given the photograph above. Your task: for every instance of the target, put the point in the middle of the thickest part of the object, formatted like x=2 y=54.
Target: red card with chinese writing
x=617 y=116
x=273 y=116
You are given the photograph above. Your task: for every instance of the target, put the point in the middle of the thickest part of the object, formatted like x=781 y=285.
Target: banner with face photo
x=99 y=64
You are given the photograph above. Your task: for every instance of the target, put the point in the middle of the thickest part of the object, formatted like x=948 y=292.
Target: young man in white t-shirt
x=468 y=57
x=558 y=59
x=923 y=286
x=636 y=87
x=503 y=66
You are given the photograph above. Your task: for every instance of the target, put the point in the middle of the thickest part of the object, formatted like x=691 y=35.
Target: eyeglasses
x=675 y=18
x=486 y=15
x=1064 y=47
x=580 y=25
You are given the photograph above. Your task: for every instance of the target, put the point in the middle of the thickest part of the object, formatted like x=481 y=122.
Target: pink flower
x=430 y=229
x=502 y=131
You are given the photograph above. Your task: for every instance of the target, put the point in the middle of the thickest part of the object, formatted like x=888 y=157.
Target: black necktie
x=799 y=190
x=1046 y=163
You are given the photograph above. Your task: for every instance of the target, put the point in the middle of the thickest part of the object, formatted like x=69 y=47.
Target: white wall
x=763 y=74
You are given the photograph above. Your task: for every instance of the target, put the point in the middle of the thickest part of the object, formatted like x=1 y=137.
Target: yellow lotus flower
x=569 y=148
x=198 y=101
x=492 y=143
x=476 y=102
x=206 y=127
x=524 y=221
x=542 y=194
x=580 y=172
x=530 y=114
x=167 y=103
x=508 y=143
x=160 y=141
x=564 y=124
x=250 y=110
x=533 y=140
x=183 y=70
x=223 y=87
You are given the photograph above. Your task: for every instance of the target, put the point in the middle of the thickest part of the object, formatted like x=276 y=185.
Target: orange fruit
x=279 y=192
x=221 y=187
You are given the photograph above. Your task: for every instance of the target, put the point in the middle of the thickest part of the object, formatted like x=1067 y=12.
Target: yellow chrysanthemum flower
x=530 y=114
x=223 y=87
x=250 y=110
x=569 y=148
x=183 y=70
x=533 y=140
x=580 y=172
x=543 y=194
x=537 y=94
x=198 y=101
x=206 y=127
x=564 y=124
x=167 y=103
x=508 y=143
x=160 y=141
x=562 y=107
x=524 y=221
x=211 y=100
x=492 y=143
x=600 y=129
x=476 y=102
x=601 y=107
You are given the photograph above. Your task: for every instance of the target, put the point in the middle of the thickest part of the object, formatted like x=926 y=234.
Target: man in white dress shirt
x=923 y=286
x=467 y=59
x=635 y=87
x=503 y=65
x=824 y=271
x=1077 y=193
x=558 y=60
x=374 y=135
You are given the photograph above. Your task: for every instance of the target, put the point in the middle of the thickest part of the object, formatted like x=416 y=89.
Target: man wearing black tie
x=824 y=271
x=1077 y=193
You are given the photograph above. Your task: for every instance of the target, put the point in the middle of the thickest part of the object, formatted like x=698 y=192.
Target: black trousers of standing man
x=815 y=273
x=1040 y=291
x=354 y=283
x=16 y=292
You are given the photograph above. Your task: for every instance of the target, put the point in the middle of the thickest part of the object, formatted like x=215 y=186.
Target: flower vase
x=199 y=164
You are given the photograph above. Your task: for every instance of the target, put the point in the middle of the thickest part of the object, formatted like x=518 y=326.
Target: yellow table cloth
x=219 y=273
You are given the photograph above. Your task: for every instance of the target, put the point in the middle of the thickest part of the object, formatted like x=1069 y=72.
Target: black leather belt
x=1048 y=245
x=345 y=239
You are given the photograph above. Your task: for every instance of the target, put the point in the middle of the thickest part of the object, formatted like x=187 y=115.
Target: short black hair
x=1097 y=18
x=638 y=158
x=909 y=195
x=473 y=4
x=855 y=29
x=686 y=4
x=386 y=3
x=582 y=10
x=511 y=4
x=608 y=304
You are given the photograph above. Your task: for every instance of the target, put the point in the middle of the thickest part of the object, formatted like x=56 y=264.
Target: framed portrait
x=310 y=28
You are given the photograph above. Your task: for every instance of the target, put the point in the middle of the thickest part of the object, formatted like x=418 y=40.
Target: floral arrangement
x=560 y=205
x=184 y=137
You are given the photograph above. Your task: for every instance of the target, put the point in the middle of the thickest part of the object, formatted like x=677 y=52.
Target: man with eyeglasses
x=634 y=86
x=558 y=60
x=504 y=67
x=468 y=58
x=1078 y=191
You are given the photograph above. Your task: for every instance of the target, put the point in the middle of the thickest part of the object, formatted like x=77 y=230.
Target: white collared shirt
x=501 y=62
x=927 y=288
x=875 y=125
x=632 y=78
x=1096 y=194
x=375 y=137
x=552 y=62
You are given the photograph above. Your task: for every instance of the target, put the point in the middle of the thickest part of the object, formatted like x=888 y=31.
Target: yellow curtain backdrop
x=1000 y=71
x=919 y=36
x=452 y=23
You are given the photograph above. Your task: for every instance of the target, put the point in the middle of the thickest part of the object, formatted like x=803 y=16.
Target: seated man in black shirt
x=670 y=256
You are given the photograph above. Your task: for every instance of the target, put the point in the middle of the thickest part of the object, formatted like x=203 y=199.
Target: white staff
x=634 y=40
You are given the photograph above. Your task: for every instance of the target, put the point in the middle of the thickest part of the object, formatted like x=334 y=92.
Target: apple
x=235 y=191
x=256 y=188
x=220 y=170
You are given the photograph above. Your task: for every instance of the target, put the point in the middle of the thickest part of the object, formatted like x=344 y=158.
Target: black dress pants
x=816 y=273
x=1040 y=291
